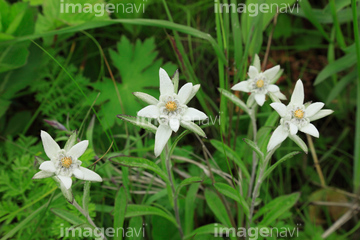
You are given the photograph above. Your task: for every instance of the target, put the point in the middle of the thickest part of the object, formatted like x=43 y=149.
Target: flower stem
x=176 y=208
x=254 y=161
x=259 y=181
x=316 y=161
x=86 y=214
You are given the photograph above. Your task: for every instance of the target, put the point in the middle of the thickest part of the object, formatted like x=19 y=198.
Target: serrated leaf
x=140 y=122
x=140 y=163
x=233 y=98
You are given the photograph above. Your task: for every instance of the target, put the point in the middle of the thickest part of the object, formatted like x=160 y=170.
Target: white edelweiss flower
x=64 y=162
x=170 y=110
x=296 y=117
x=261 y=83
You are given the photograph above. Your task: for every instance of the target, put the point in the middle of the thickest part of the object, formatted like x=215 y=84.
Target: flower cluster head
x=64 y=163
x=296 y=116
x=170 y=110
x=261 y=83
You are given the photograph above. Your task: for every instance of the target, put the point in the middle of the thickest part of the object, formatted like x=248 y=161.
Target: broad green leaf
x=340 y=64
x=142 y=210
x=188 y=181
x=223 y=148
x=299 y=142
x=276 y=208
x=212 y=229
x=217 y=207
x=283 y=159
x=233 y=194
x=140 y=163
x=140 y=122
x=255 y=148
x=119 y=211
x=193 y=128
x=136 y=223
x=13 y=56
x=234 y=99
x=68 y=216
x=190 y=208
x=138 y=65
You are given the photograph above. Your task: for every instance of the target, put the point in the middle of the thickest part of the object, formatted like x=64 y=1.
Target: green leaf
x=190 y=207
x=255 y=148
x=217 y=207
x=233 y=98
x=142 y=210
x=340 y=64
x=283 y=159
x=276 y=208
x=86 y=196
x=136 y=223
x=233 y=194
x=139 y=163
x=223 y=148
x=299 y=142
x=71 y=141
x=140 y=122
x=119 y=211
x=207 y=229
x=138 y=65
x=193 y=128
x=188 y=181
x=68 y=216
x=12 y=57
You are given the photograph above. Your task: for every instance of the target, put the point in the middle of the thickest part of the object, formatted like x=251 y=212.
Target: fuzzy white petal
x=192 y=114
x=146 y=98
x=260 y=98
x=166 y=85
x=162 y=136
x=257 y=62
x=253 y=72
x=310 y=129
x=280 y=108
x=65 y=180
x=184 y=92
x=150 y=111
x=87 y=174
x=78 y=149
x=321 y=114
x=297 y=98
x=271 y=73
x=194 y=90
x=43 y=174
x=280 y=95
x=47 y=166
x=293 y=129
x=273 y=88
x=313 y=109
x=279 y=135
x=174 y=124
x=241 y=86
x=50 y=146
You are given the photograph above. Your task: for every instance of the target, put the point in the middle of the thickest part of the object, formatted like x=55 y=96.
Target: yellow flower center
x=66 y=162
x=260 y=83
x=299 y=114
x=171 y=106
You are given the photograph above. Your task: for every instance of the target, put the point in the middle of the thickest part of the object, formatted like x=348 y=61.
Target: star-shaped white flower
x=64 y=162
x=170 y=110
x=261 y=83
x=296 y=117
